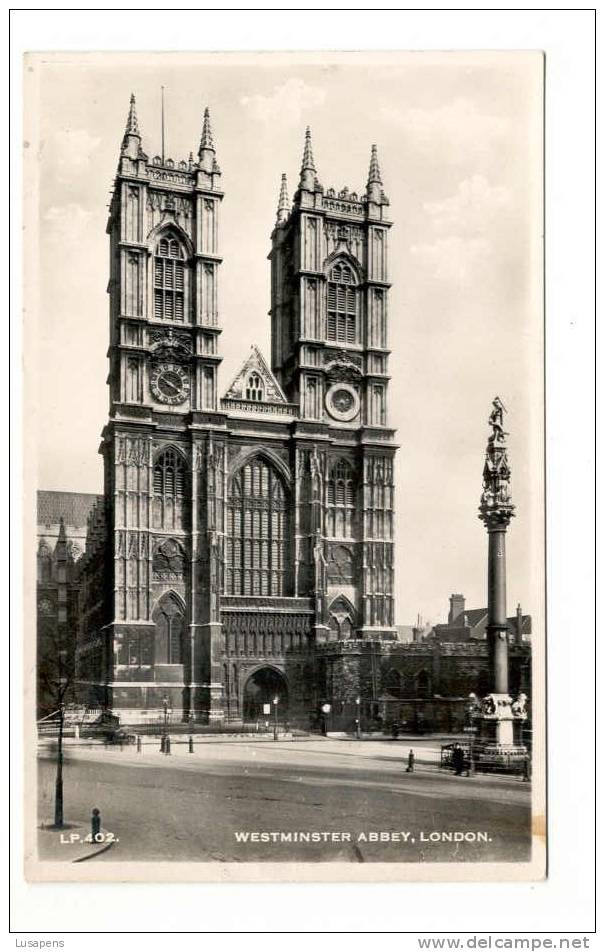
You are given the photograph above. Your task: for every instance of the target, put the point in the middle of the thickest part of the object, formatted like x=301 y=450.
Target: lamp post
x=275 y=703
x=63 y=681
x=166 y=705
x=472 y=709
x=358 y=718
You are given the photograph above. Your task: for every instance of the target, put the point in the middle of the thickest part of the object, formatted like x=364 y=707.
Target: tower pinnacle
x=374 y=173
x=374 y=186
x=207 y=152
x=132 y=125
x=206 y=141
x=308 y=172
x=283 y=207
x=131 y=141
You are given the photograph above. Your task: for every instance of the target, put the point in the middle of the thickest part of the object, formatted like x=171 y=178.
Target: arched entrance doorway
x=261 y=688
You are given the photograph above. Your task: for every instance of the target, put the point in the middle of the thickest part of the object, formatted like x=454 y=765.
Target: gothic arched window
x=423 y=684
x=342 y=304
x=45 y=563
x=256 y=532
x=340 y=501
x=255 y=388
x=169 y=480
x=169 y=280
x=393 y=683
x=169 y=630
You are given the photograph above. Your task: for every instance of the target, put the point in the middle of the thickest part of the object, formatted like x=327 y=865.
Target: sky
x=459 y=144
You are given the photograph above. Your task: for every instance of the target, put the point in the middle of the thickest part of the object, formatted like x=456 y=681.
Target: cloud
x=67 y=223
x=473 y=209
x=454 y=259
x=465 y=231
x=286 y=102
x=449 y=132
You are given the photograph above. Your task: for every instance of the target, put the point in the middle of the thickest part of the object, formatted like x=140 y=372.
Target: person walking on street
x=458 y=760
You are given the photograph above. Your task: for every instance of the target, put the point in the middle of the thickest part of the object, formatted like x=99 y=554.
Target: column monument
x=500 y=717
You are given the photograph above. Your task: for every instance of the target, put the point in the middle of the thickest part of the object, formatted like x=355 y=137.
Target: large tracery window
x=169 y=630
x=342 y=305
x=169 y=281
x=340 y=500
x=256 y=532
x=169 y=479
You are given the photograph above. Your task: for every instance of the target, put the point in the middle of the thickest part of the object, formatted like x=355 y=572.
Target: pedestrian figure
x=411 y=759
x=138 y=743
x=163 y=744
x=191 y=743
x=458 y=760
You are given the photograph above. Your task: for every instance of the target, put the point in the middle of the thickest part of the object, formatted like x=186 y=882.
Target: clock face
x=170 y=383
x=342 y=402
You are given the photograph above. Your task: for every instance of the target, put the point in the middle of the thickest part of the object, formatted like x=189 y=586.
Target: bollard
x=526 y=769
x=138 y=743
x=411 y=759
x=167 y=746
x=95 y=824
x=191 y=743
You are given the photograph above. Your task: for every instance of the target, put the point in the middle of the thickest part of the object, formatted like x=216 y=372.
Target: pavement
x=326 y=799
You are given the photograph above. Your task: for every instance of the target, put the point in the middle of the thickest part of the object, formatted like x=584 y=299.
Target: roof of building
x=405 y=632
x=73 y=508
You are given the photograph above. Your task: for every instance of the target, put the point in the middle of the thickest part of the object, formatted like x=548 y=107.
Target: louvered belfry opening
x=169 y=281
x=342 y=305
x=169 y=487
x=340 y=500
x=256 y=532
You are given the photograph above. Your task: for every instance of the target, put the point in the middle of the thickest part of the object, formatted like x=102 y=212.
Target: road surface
x=328 y=800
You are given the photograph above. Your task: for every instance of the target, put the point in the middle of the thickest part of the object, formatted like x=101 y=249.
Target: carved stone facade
x=240 y=535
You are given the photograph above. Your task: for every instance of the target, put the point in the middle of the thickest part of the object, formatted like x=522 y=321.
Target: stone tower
x=329 y=352
x=155 y=640
x=245 y=546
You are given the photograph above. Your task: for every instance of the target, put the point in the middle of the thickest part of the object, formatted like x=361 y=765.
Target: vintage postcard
x=284 y=390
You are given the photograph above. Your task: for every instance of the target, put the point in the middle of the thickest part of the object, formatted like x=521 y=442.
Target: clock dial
x=342 y=402
x=170 y=383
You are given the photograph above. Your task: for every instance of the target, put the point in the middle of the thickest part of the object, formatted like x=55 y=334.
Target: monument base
x=499 y=737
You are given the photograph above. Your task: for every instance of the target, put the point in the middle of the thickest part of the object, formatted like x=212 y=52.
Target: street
x=354 y=798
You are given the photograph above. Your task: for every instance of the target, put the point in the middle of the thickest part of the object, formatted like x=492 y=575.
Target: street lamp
x=63 y=682
x=167 y=709
x=275 y=703
x=358 y=718
x=472 y=709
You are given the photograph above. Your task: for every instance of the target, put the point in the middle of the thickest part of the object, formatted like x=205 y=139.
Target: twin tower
x=244 y=548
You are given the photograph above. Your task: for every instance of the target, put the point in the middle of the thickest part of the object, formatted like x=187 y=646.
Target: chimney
x=519 y=625
x=456 y=608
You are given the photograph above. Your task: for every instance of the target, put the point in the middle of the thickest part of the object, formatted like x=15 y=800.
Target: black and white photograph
x=285 y=388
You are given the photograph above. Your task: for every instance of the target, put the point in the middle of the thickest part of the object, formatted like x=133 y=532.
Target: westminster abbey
x=239 y=562
x=242 y=551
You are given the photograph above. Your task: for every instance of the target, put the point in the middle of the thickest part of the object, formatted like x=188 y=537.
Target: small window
x=255 y=388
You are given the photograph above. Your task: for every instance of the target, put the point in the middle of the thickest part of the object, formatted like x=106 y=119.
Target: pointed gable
x=255 y=382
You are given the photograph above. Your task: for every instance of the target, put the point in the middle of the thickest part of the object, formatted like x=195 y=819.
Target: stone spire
x=308 y=176
x=131 y=142
x=283 y=207
x=207 y=142
x=207 y=164
x=132 y=125
x=374 y=186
